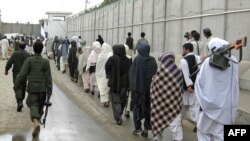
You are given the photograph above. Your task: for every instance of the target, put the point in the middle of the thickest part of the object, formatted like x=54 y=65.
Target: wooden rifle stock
x=238 y=44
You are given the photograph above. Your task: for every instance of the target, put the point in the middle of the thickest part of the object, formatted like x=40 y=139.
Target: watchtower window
x=58 y=18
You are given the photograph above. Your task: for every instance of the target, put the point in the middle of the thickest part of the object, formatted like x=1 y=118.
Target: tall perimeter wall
x=165 y=22
x=27 y=29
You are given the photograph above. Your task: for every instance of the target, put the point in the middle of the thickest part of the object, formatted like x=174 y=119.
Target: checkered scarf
x=166 y=98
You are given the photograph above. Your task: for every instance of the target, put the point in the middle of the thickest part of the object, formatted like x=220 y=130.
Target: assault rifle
x=220 y=58
x=47 y=104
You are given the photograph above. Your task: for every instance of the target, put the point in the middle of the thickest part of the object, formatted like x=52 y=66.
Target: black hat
x=186 y=35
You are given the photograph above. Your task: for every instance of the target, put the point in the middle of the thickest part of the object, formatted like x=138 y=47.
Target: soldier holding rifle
x=37 y=71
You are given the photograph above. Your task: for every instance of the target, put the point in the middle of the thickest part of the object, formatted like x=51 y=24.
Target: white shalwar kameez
x=92 y=59
x=102 y=81
x=83 y=58
x=217 y=92
x=175 y=128
x=5 y=46
x=189 y=100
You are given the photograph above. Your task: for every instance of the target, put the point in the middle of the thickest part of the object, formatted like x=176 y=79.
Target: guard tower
x=56 y=23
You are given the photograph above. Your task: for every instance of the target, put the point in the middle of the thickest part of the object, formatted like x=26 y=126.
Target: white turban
x=216 y=43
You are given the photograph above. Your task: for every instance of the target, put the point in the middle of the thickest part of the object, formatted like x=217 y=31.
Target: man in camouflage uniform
x=37 y=71
x=16 y=60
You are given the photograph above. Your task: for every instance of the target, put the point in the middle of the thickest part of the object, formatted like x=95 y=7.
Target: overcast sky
x=32 y=11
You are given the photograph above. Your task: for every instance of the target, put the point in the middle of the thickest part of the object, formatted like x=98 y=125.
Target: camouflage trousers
x=35 y=102
x=20 y=93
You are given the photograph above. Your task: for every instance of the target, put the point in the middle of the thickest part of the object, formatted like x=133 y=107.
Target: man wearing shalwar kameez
x=128 y=107
x=91 y=65
x=166 y=99
x=142 y=70
x=58 y=52
x=188 y=68
x=83 y=58
x=217 y=92
x=117 y=71
x=72 y=60
x=102 y=81
x=77 y=40
x=5 y=47
x=63 y=59
x=54 y=47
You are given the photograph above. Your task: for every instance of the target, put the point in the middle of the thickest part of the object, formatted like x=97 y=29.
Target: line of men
x=159 y=96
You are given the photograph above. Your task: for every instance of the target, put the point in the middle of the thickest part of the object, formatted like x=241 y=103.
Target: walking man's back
x=130 y=43
x=16 y=60
x=37 y=71
x=143 y=40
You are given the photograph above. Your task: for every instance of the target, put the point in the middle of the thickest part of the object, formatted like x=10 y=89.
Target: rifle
x=224 y=53
x=47 y=104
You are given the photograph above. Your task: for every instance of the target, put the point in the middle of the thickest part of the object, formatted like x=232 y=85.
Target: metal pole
x=201 y=8
x=125 y=15
x=153 y=18
x=103 y=21
x=132 y=30
x=95 y=25
x=141 y=14
x=165 y=27
x=117 y=41
x=113 y=9
x=225 y=19
x=182 y=21
x=107 y=24
x=86 y=4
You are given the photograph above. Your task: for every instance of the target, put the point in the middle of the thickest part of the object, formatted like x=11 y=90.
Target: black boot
x=137 y=131
x=87 y=90
x=127 y=114
x=144 y=133
x=19 y=106
x=195 y=129
x=119 y=122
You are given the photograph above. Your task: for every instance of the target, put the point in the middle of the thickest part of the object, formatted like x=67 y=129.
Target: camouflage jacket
x=37 y=70
x=16 y=60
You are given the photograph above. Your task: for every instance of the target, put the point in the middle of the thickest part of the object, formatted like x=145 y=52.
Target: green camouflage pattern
x=16 y=60
x=37 y=71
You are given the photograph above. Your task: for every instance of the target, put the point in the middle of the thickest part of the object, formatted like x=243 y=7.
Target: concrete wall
x=0 y=25
x=0 y=22
x=34 y=29
x=166 y=21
